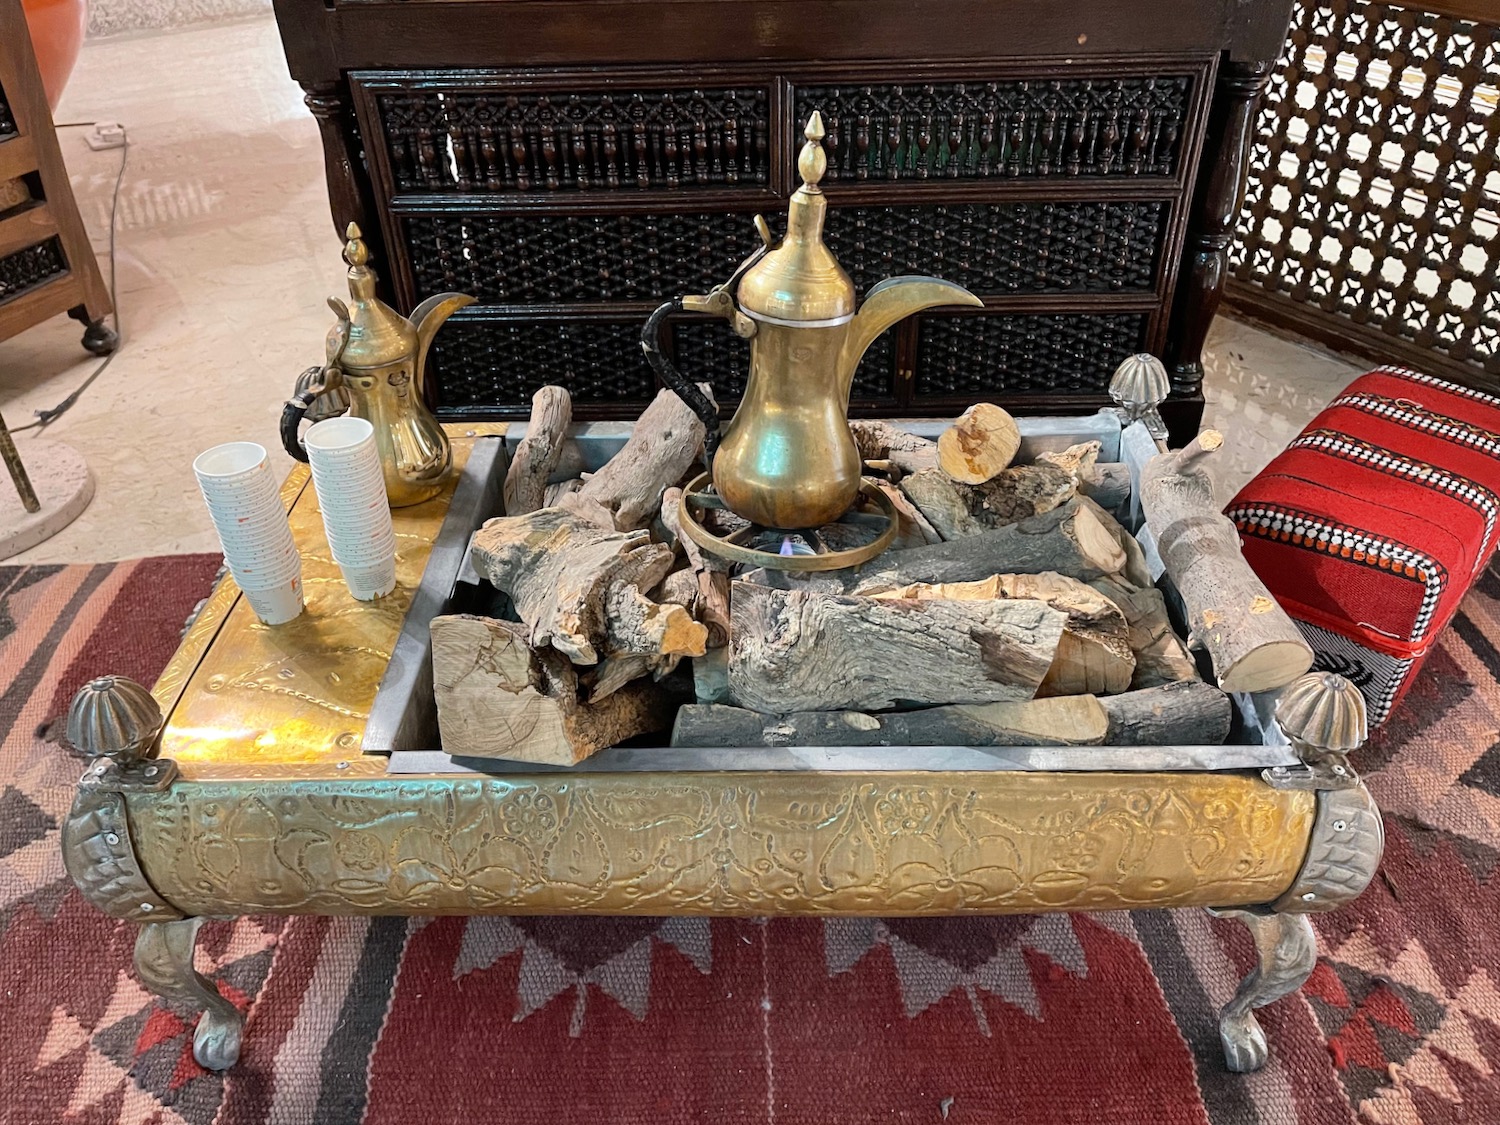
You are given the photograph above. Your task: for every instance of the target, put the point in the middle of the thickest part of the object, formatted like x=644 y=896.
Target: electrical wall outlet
x=105 y=135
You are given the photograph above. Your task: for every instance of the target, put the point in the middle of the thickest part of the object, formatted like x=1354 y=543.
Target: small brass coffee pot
x=787 y=459
x=377 y=355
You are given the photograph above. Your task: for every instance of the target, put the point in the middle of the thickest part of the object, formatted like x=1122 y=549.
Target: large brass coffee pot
x=377 y=356
x=787 y=459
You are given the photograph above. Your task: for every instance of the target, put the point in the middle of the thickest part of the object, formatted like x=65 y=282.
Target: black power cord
x=45 y=418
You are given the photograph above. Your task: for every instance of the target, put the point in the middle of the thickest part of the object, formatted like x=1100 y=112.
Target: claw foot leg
x=164 y=960
x=1287 y=950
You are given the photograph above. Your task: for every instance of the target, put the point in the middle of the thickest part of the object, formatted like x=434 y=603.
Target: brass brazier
x=787 y=459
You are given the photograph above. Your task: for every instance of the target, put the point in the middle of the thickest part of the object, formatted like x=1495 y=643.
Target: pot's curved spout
x=891 y=300
x=428 y=317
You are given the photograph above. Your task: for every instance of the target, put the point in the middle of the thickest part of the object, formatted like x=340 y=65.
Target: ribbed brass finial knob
x=356 y=253
x=114 y=717
x=812 y=162
x=1324 y=713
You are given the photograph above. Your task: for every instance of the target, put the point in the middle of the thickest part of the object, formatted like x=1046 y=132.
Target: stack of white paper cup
x=245 y=505
x=356 y=515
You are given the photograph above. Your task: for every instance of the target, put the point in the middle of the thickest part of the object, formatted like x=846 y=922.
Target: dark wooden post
x=1220 y=195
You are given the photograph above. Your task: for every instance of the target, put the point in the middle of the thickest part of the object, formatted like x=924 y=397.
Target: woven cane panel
x=988 y=248
x=28 y=268
x=994 y=249
x=708 y=351
x=1023 y=355
x=494 y=140
x=1374 y=186
x=1041 y=129
x=499 y=365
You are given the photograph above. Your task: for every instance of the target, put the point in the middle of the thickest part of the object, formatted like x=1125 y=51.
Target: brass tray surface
x=241 y=694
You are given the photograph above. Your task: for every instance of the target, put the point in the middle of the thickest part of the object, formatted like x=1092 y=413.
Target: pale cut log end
x=984 y=440
x=1271 y=666
x=1097 y=543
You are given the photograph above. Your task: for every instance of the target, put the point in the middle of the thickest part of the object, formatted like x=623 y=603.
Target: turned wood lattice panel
x=33 y=266
x=990 y=249
x=524 y=141
x=1372 y=219
x=990 y=130
x=961 y=357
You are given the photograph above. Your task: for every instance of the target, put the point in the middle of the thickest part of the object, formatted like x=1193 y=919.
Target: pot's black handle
x=291 y=418
x=676 y=381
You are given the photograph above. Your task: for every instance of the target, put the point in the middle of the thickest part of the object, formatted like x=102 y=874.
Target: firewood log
x=497 y=697
x=912 y=527
x=1136 y=571
x=1187 y=714
x=555 y=492
x=1161 y=657
x=636 y=624
x=663 y=443
x=712 y=572
x=1093 y=655
x=1074 y=720
x=1108 y=486
x=1078 y=461
x=1069 y=540
x=537 y=453
x=956 y=510
x=881 y=441
x=559 y=570
x=984 y=440
x=1253 y=644
x=796 y=651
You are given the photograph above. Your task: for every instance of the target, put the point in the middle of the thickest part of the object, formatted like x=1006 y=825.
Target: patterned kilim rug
x=1102 y=1019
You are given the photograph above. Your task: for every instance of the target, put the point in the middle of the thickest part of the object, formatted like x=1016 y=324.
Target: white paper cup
x=278 y=604
x=227 y=464
x=367 y=583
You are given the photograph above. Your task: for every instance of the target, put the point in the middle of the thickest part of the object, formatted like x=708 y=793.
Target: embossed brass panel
x=300 y=839
x=240 y=691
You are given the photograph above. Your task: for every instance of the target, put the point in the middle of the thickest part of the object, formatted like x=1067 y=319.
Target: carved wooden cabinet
x=1077 y=164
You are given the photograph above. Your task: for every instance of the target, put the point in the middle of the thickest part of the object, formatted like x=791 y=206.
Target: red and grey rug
x=1099 y=1019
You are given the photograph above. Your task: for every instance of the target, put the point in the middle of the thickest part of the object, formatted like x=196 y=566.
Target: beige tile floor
x=226 y=253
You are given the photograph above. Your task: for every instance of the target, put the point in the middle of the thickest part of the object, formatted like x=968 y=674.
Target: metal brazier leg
x=164 y=960
x=115 y=722
x=1287 y=950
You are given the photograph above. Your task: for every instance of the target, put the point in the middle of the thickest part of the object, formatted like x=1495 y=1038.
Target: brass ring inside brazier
x=699 y=493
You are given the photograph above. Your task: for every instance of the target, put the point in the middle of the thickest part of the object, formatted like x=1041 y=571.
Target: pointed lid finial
x=377 y=334
x=812 y=162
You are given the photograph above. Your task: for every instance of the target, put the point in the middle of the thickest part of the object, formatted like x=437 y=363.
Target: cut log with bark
x=881 y=441
x=497 y=697
x=1188 y=713
x=795 y=651
x=1069 y=540
x=912 y=527
x=983 y=440
x=636 y=624
x=1136 y=571
x=663 y=443
x=1253 y=644
x=1161 y=657
x=1093 y=655
x=1075 y=720
x=559 y=570
x=956 y=510
x=537 y=453
x=555 y=492
x=711 y=572
x=1077 y=461
x=1108 y=486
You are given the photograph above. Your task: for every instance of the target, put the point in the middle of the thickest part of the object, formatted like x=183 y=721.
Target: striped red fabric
x=1055 y=1019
